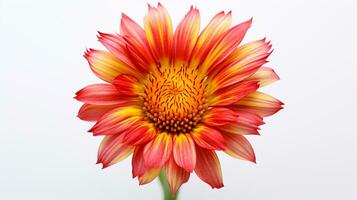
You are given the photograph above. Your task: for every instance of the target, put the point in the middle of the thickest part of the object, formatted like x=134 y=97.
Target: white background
x=306 y=152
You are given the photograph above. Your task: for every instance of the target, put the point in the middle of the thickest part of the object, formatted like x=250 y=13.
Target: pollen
x=175 y=99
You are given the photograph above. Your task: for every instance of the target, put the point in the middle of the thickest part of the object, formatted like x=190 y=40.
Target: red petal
x=149 y=176
x=116 y=44
x=106 y=66
x=232 y=94
x=140 y=134
x=259 y=103
x=208 y=138
x=112 y=150
x=208 y=168
x=117 y=121
x=239 y=147
x=144 y=174
x=137 y=162
x=137 y=45
x=186 y=35
x=210 y=35
x=175 y=175
x=100 y=94
x=158 y=151
x=242 y=63
x=218 y=116
x=89 y=112
x=247 y=123
x=158 y=29
x=130 y=28
x=184 y=151
x=225 y=46
x=265 y=76
x=127 y=85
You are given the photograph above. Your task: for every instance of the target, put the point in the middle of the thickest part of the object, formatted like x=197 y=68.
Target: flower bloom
x=173 y=98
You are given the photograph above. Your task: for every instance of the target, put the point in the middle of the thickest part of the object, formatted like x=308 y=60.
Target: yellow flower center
x=174 y=99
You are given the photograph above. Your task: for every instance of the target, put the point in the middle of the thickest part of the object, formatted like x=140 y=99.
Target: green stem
x=165 y=187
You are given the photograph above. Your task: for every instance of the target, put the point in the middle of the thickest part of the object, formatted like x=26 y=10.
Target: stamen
x=174 y=99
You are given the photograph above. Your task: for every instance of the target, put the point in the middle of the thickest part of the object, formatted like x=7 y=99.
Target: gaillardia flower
x=174 y=98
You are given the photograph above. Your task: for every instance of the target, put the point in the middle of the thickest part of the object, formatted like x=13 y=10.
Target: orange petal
x=117 y=121
x=213 y=32
x=175 y=175
x=184 y=151
x=247 y=123
x=208 y=138
x=89 y=112
x=140 y=134
x=137 y=44
x=218 y=116
x=149 y=176
x=158 y=151
x=127 y=85
x=186 y=35
x=105 y=65
x=158 y=29
x=112 y=150
x=99 y=94
x=226 y=45
x=241 y=63
x=265 y=76
x=239 y=147
x=208 y=168
x=260 y=103
x=230 y=95
x=137 y=162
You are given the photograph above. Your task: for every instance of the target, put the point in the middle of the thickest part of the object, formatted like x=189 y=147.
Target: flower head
x=173 y=98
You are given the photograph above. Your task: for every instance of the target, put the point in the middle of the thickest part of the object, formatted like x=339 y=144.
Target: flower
x=174 y=98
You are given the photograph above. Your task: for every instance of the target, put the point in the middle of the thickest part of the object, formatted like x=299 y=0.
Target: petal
x=112 y=150
x=175 y=175
x=218 y=116
x=239 y=147
x=137 y=44
x=265 y=76
x=247 y=124
x=99 y=94
x=141 y=56
x=208 y=168
x=89 y=112
x=186 y=35
x=137 y=162
x=127 y=85
x=230 y=95
x=226 y=45
x=260 y=103
x=241 y=63
x=130 y=28
x=116 y=44
x=215 y=30
x=117 y=121
x=158 y=29
x=140 y=133
x=184 y=151
x=105 y=65
x=145 y=175
x=149 y=176
x=158 y=151
x=208 y=138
